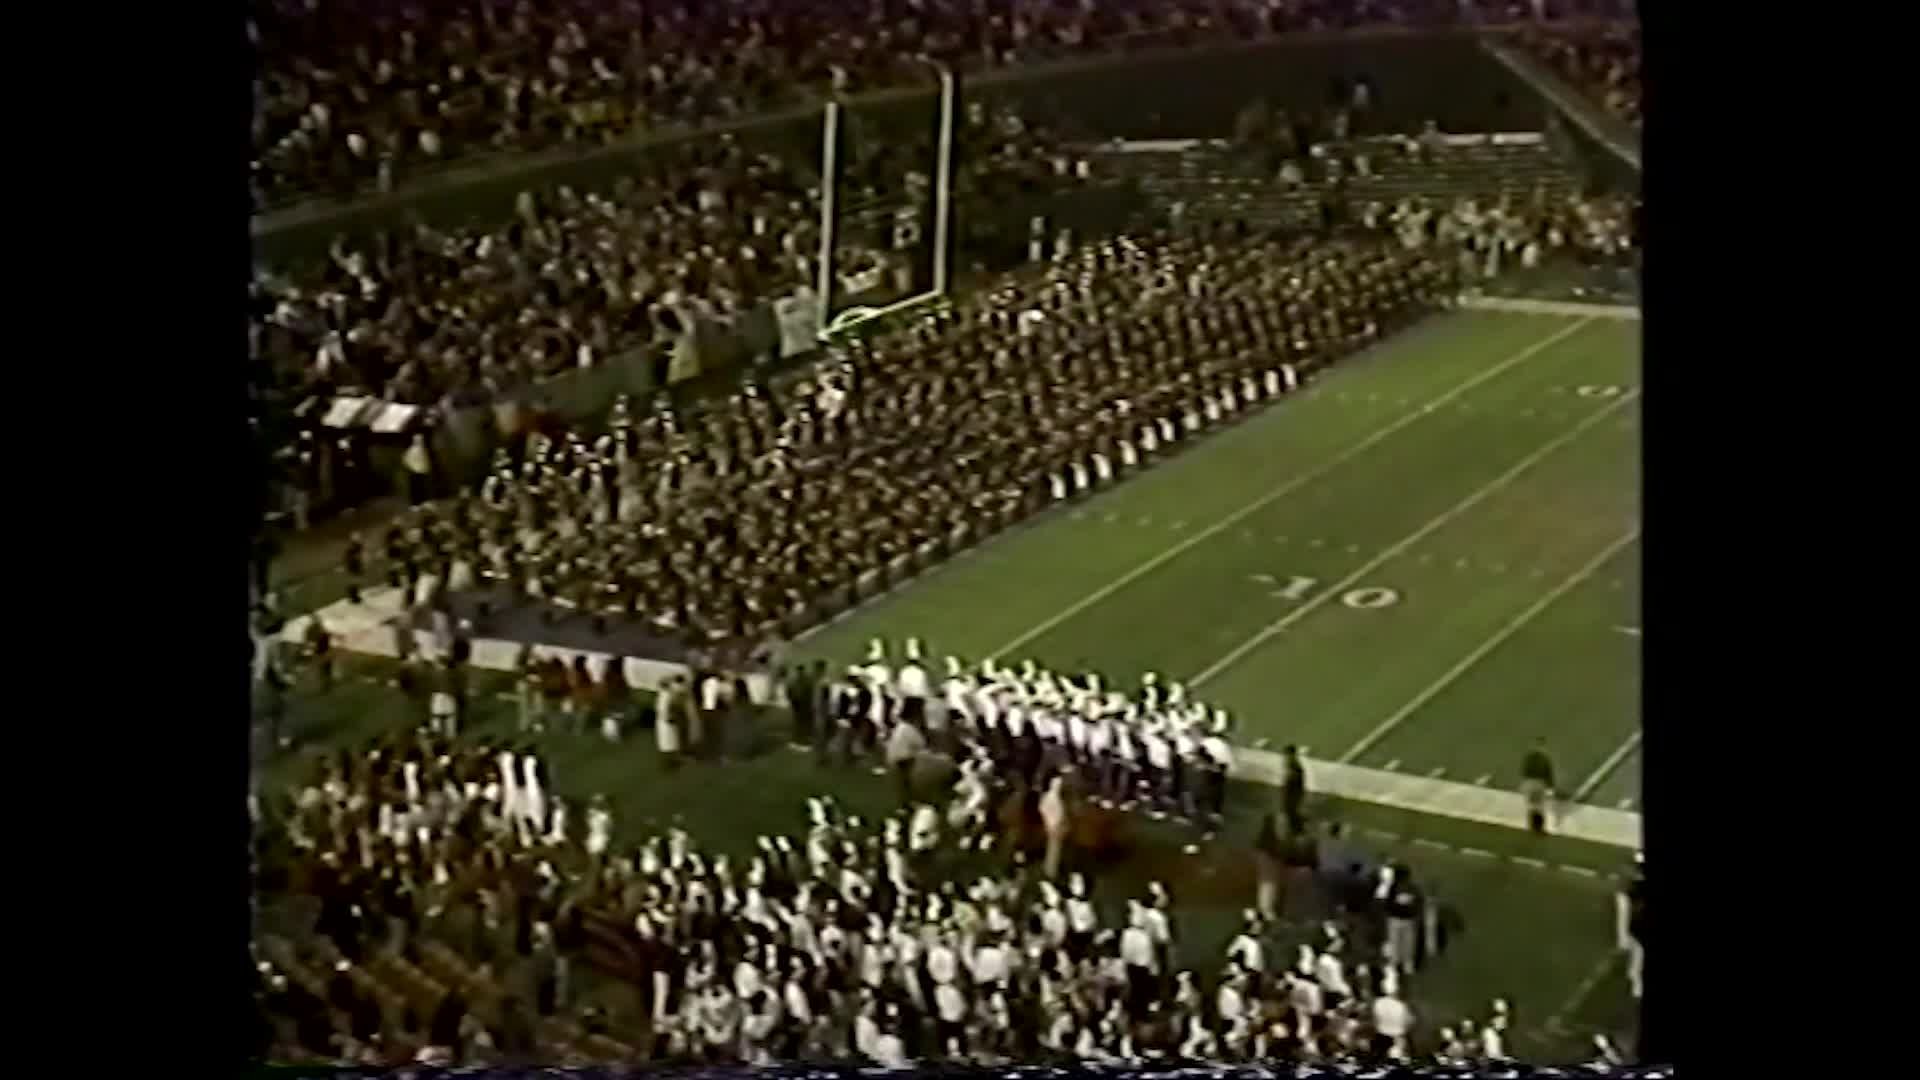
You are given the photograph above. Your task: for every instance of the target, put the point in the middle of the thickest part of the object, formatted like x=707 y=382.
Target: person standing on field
x=1268 y=849
x=1401 y=902
x=1299 y=859
x=904 y=746
x=1293 y=788
x=801 y=698
x=418 y=461
x=1054 y=816
x=1630 y=923
x=669 y=709
x=1536 y=784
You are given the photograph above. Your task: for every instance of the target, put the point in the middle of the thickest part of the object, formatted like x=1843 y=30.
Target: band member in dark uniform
x=353 y=563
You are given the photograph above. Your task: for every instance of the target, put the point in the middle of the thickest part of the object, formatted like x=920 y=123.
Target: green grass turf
x=1568 y=672
x=1621 y=786
x=1535 y=930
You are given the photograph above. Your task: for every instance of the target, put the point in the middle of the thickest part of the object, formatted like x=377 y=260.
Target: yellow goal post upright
x=832 y=325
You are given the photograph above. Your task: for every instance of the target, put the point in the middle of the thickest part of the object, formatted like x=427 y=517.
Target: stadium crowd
x=465 y=316
x=1487 y=236
x=1603 y=62
x=759 y=516
x=352 y=96
x=461 y=911
x=460 y=908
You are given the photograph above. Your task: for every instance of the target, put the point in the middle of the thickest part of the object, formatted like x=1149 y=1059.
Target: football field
x=1416 y=566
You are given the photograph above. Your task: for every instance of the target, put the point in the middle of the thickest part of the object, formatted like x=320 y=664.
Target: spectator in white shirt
x=924 y=830
x=1331 y=974
x=904 y=746
x=1053 y=815
x=866 y=1030
x=1159 y=754
x=1053 y=926
x=1493 y=1041
x=419 y=465
x=1247 y=950
x=1159 y=928
x=942 y=965
x=746 y=980
x=1142 y=965
x=1230 y=1001
x=1305 y=997
x=794 y=997
x=889 y=1051
x=989 y=965
x=1082 y=919
x=912 y=681
x=1200 y=1043
x=950 y=1007
x=1392 y=1021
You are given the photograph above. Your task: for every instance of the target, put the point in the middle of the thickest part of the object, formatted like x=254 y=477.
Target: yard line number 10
x=1297 y=588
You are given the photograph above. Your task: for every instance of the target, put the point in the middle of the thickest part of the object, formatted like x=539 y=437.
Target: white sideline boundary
x=366 y=628
x=1441 y=798
x=1514 y=305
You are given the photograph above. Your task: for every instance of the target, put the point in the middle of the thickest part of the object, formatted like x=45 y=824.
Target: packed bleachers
x=1326 y=185
x=464 y=315
x=355 y=96
x=400 y=949
x=429 y=314
x=1602 y=62
x=1491 y=202
x=1485 y=237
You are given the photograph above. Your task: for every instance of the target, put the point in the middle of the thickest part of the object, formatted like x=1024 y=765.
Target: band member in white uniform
x=913 y=685
x=1220 y=757
x=1159 y=761
x=1123 y=782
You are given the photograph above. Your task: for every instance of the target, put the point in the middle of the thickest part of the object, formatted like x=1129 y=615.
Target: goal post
x=832 y=323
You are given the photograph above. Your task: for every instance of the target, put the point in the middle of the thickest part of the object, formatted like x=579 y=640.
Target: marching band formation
x=1155 y=748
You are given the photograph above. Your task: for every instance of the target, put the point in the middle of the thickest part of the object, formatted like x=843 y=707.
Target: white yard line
x=1581 y=992
x=1592 y=783
x=1347 y=582
x=1513 y=627
x=1290 y=486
